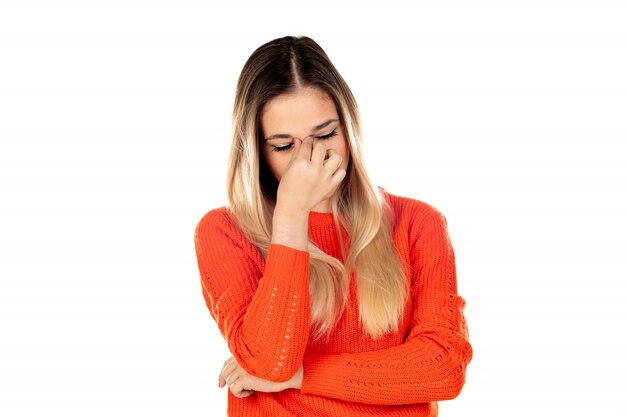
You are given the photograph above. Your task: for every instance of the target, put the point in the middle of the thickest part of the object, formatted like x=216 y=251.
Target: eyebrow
x=315 y=129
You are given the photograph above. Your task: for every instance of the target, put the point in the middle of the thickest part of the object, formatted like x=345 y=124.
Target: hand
x=242 y=384
x=309 y=178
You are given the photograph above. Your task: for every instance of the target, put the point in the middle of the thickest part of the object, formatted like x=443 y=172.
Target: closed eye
x=281 y=148
x=284 y=148
x=330 y=135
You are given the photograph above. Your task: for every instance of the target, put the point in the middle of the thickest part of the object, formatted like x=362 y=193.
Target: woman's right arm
x=263 y=313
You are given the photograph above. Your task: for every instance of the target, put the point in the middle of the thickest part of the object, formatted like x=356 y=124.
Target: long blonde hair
x=275 y=68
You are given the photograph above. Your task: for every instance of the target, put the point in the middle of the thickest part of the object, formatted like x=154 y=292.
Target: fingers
x=246 y=393
x=313 y=151
x=333 y=167
x=338 y=176
x=242 y=393
x=239 y=387
x=309 y=150
x=305 y=148
x=231 y=377
x=333 y=161
x=318 y=153
x=312 y=172
x=227 y=371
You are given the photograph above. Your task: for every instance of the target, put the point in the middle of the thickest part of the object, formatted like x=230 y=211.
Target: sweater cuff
x=322 y=376
x=285 y=258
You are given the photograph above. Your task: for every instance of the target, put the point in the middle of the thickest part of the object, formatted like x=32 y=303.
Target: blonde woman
x=335 y=297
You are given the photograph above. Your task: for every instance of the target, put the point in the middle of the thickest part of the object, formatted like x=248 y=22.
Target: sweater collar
x=318 y=218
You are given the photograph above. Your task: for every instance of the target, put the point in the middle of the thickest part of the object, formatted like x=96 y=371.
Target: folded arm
x=430 y=364
x=263 y=314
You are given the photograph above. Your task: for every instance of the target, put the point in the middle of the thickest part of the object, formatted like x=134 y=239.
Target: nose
x=314 y=138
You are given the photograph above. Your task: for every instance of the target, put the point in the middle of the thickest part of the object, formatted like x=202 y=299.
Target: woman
x=336 y=298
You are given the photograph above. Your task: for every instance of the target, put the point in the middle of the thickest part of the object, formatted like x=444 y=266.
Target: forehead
x=297 y=111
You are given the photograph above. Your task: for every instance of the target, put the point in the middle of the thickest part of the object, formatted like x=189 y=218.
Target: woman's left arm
x=430 y=365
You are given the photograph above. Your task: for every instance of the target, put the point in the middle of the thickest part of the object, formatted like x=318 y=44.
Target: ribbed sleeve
x=430 y=364
x=262 y=312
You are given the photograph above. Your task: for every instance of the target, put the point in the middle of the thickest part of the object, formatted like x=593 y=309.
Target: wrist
x=296 y=381
x=290 y=212
x=290 y=228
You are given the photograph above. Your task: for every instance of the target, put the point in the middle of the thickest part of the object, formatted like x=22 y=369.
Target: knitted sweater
x=262 y=309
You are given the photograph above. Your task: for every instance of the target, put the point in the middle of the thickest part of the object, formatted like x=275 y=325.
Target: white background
x=508 y=116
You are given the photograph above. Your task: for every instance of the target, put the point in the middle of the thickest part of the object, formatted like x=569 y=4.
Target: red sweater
x=262 y=309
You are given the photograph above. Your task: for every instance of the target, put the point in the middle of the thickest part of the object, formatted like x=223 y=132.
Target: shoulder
x=410 y=211
x=216 y=215
x=217 y=225
x=213 y=218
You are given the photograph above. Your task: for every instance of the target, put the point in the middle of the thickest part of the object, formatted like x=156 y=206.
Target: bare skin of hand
x=309 y=177
x=242 y=384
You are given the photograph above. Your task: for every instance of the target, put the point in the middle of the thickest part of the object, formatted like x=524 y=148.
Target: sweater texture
x=262 y=309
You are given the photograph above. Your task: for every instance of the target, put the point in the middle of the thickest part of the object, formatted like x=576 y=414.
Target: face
x=306 y=112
